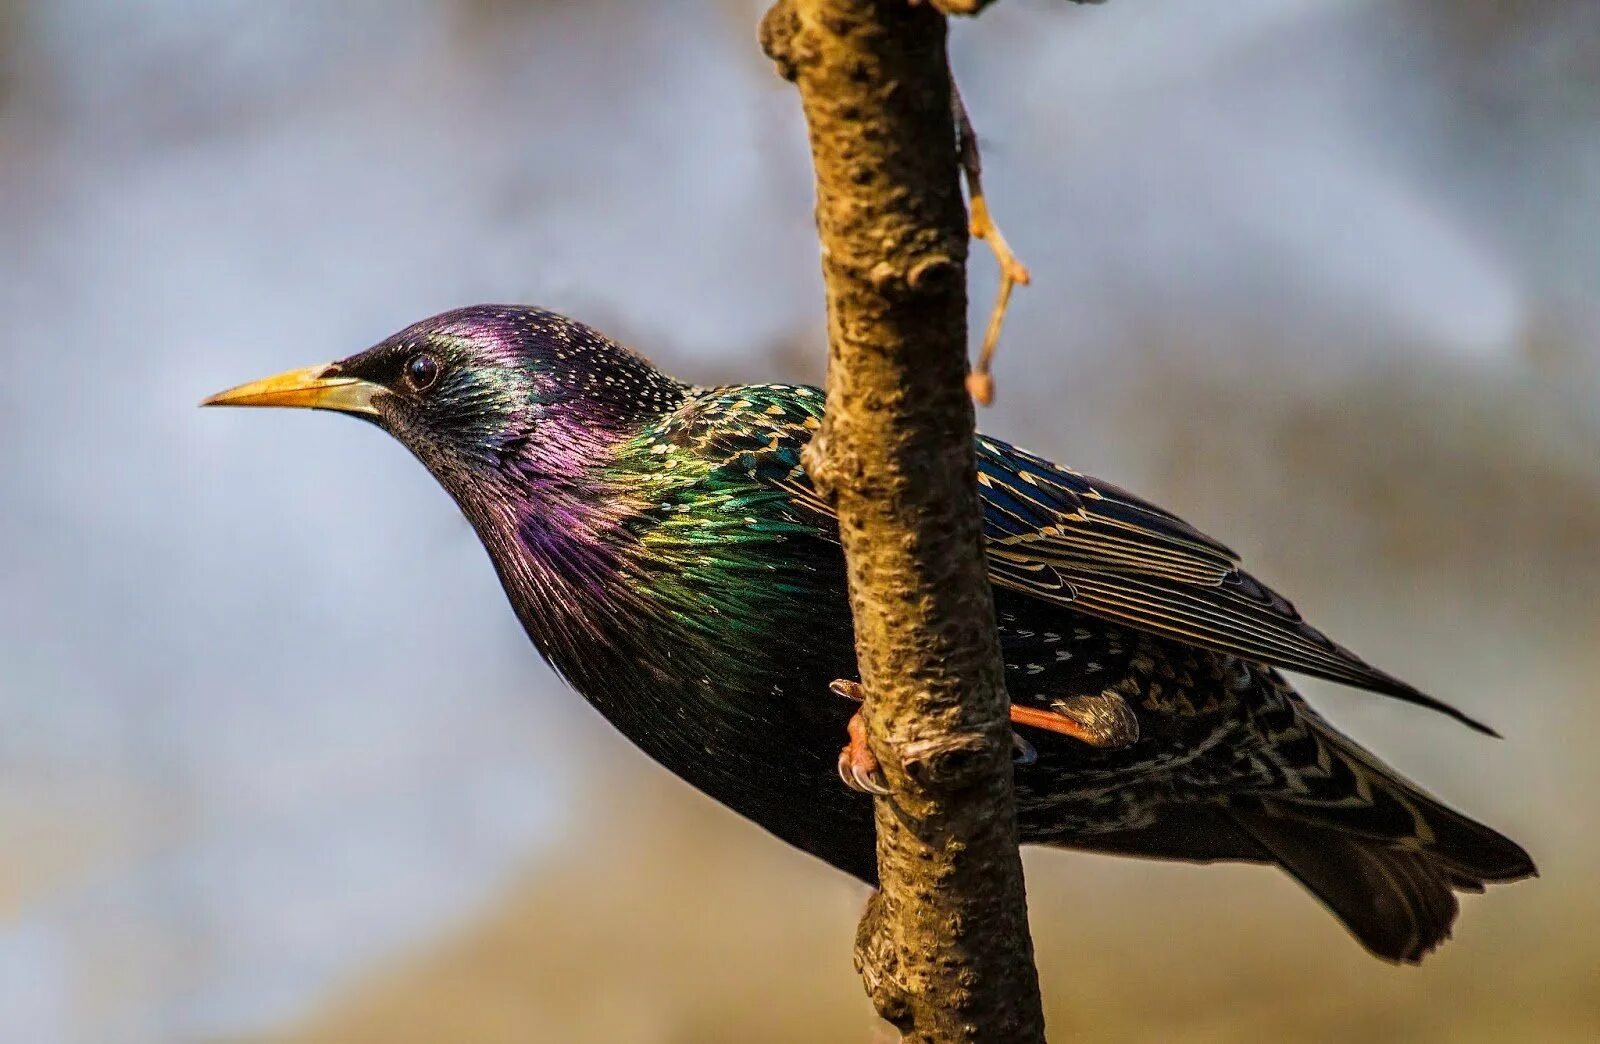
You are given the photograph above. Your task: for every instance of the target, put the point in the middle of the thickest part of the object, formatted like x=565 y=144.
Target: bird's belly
x=748 y=719
x=768 y=753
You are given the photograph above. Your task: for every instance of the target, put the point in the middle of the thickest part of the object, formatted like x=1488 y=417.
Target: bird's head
x=486 y=395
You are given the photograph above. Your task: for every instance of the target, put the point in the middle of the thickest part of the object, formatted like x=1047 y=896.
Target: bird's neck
x=567 y=559
x=632 y=600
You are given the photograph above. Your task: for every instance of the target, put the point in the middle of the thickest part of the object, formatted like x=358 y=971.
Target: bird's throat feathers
x=636 y=580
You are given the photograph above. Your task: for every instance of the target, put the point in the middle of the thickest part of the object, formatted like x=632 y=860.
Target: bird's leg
x=858 y=766
x=980 y=384
x=1100 y=719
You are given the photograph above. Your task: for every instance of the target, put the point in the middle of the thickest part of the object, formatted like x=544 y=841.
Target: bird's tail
x=1384 y=856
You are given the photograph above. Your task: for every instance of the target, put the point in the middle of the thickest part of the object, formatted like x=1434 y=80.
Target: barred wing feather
x=1071 y=539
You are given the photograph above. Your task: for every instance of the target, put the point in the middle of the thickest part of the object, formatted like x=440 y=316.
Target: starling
x=667 y=554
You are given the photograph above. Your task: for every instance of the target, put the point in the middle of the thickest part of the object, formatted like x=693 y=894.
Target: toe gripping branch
x=1102 y=720
x=858 y=766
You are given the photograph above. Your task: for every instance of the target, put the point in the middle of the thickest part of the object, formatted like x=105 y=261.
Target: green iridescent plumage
x=665 y=550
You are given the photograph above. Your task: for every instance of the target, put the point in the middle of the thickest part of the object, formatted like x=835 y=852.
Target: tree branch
x=943 y=948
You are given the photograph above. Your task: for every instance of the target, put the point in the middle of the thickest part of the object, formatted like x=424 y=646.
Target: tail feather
x=1397 y=903
x=1385 y=856
x=1379 y=852
x=1381 y=805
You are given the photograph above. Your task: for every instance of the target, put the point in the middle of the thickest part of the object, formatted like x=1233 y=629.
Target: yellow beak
x=308 y=389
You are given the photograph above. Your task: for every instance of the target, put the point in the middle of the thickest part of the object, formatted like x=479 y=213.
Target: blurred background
x=276 y=762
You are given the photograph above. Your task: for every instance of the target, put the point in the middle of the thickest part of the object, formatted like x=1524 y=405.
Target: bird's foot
x=1025 y=755
x=850 y=690
x=858 y=766
x=1102 y=720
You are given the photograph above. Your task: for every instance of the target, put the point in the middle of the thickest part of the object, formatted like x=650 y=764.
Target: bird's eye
x=421 y=371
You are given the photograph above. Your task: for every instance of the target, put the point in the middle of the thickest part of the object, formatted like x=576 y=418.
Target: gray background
x=276 y=759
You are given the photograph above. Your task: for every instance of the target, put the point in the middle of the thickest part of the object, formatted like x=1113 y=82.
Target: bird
x=666 y=552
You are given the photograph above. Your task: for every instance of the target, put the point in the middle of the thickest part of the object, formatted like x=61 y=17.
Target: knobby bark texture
x=944 y=947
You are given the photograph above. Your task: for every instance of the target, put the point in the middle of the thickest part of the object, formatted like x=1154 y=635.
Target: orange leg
x=1043 y=719
x=859 y=767
x=1102 y=720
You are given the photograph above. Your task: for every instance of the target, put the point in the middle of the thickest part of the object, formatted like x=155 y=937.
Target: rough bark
x=943 y=948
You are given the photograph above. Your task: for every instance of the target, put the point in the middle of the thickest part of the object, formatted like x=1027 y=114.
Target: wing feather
x=1068 y=539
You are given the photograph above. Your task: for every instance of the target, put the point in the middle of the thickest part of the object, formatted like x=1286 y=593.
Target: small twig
x=980 y=383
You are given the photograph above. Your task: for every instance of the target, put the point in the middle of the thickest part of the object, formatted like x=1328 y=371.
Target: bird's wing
x=1087 y=545
x=1080 y=542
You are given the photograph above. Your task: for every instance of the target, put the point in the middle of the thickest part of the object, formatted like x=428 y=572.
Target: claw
x=867 y=779
x=1026 y=755
x=858 y=766
x=848 y=689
